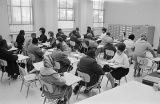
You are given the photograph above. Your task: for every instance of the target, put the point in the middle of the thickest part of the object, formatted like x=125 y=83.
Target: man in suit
x=35 y=50
x=12 y=67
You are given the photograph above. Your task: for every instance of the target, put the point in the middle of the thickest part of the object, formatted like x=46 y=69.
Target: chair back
x=143 y=62
x=3 y=63
x=109 y=52
x=85 y=77
x=84 y=45
x=22 y=71
x=72 y=43
x=32 y=57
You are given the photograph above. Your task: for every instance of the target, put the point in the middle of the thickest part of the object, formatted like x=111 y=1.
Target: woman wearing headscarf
x=49 y=75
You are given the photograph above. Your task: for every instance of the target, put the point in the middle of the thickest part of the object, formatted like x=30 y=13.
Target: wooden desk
x=22 y=57
x=130 y=93
x=13 y=49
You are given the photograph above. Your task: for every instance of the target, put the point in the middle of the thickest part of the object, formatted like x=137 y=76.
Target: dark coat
x=12 y=66
x=20 y=40
x=89 y=66
x=43 y=38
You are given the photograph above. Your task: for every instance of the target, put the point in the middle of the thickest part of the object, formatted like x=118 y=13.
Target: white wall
x=137 y=13
x=4 y=25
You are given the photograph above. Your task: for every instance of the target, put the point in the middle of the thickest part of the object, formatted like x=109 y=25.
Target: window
x=65 y=14
x=98 y=10
x=20 y=15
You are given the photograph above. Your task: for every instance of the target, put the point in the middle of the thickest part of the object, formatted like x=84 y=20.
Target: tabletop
x=130 y=93
x=38 y=65
x=71 y=78
x=13 y=49
x=22 y=57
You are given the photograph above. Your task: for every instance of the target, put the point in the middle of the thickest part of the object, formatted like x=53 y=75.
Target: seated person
x=29 y=41
x=62 y=44
x=129 y=44
x=4 y=42
x=104 y=30
x=62 y=58
x=20 y=40
x=140 y=48
x=43 y=37
x=35 y=50
x=50 y=75
x=121 y=59
x=75 y=38
x=12 y=67
x=89 y=66
x=91 y=42
x=106 y=38
x=59 y=33
x=111 y=47
x=52 y=40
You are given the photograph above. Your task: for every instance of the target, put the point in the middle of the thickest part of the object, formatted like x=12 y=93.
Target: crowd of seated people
x=87 y=64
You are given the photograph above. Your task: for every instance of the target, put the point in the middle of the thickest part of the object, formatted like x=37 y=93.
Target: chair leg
x=22 y=85
x=2 y=75
x=27 y=90
x=44 y=100
x=126 y=78
x=78 y=92
x=107 y=83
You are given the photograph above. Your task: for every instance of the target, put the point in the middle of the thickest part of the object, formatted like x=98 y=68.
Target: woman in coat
x=20 y=39
x=49 y=75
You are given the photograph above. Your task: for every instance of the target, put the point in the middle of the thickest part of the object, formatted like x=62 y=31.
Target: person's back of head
x=121 y=47
x=1 y=37
x=51 y=33
x=108 y=33
x=35 y=41
x=43 y=30
x=21 y=32
x=91 y=53
x=77 y=29
x=33 y=35
x=60 y=39
x=59 y=30
x=104 y=30
x=131 y=37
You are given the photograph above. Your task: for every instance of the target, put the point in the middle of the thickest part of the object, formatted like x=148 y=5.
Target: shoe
x=76 y=89
x=86 y=91
x=115 y=84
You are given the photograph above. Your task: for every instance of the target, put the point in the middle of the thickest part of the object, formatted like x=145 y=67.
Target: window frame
x=10 y=15
x=101 y=2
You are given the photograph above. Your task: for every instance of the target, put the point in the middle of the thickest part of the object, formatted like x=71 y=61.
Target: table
x=39 y=45
x=13 y=49
x=47 y=44
x=47 y=53
x=22 y=57
x=100 y=46
x=71 y=79
x=151 y=78
x=113 y=65
x=130 y=93
x=38 y=65
x=73 y=60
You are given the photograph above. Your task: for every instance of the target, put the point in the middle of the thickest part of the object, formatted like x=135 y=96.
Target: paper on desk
x=71 y=79
x=38 y=65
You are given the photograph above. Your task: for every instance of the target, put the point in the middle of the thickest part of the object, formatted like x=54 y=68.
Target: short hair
x=35 y=41
x=1 y=37
x=121 y=47
x=21 y=32
x=60 y=39
x=59 y=29
x=104 y=29
x=108 y=33
x=77 y=28
x=42 y=29
x=131 y=37
x=33 y=34
x=51 y=33
x=91 y=53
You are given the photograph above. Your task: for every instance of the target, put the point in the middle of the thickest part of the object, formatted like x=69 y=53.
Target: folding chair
x=27 y=79
x=143 y=65
x=3 y=65
x=86 y=78
x=48 y=93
